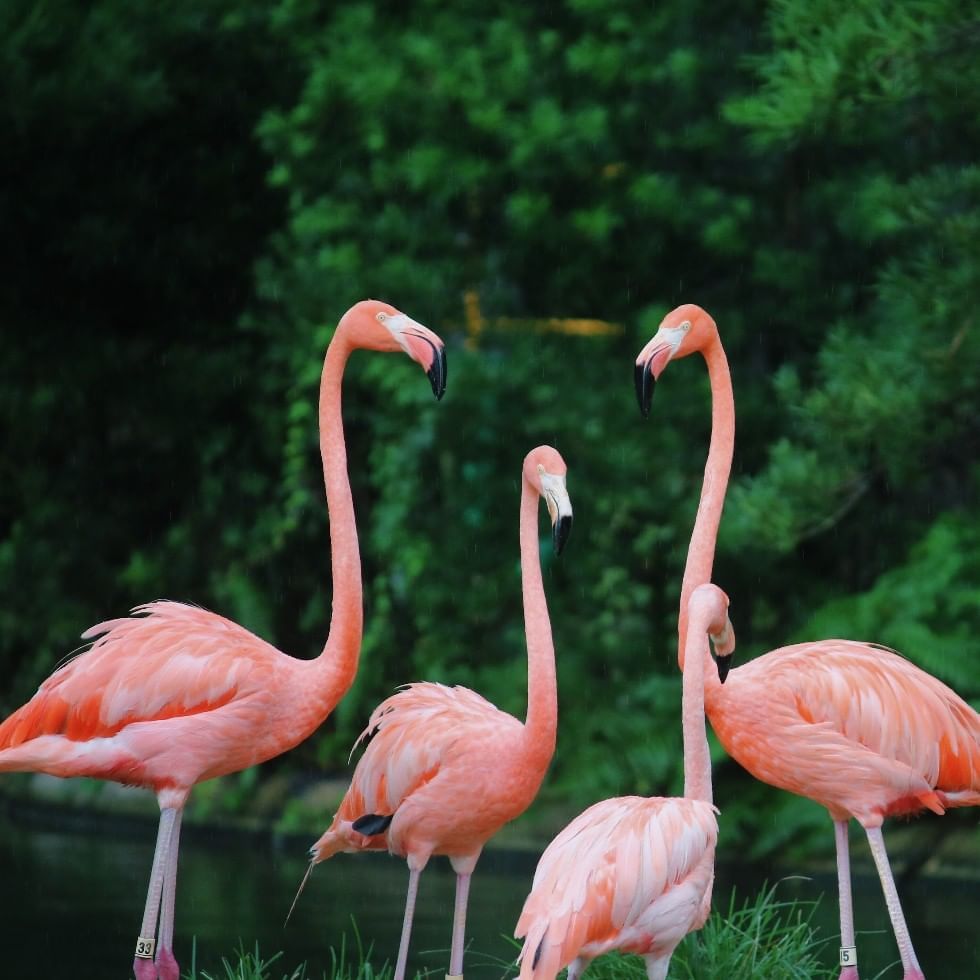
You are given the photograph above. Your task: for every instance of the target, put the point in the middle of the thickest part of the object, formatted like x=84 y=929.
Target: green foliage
x=762 y=937
x=345 y=964
x=929 y=604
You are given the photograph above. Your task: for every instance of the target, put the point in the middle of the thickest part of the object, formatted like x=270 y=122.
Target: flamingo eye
x=685 y=326
x=382 y=317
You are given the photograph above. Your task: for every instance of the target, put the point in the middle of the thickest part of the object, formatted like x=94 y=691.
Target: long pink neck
x=342 y=649
x=701 y=551
x=541 y=725
x=697 y=760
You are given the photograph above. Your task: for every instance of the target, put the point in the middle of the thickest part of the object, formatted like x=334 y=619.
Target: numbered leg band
x=454 y=976
x=144 y=948
x=848 y=956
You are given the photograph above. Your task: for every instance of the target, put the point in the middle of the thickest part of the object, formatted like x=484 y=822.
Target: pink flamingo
x=175 y=694
x=634 y=873
x=444 y=769
x=853 y=726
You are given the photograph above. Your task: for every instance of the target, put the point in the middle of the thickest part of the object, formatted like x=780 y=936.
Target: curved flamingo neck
x=541 y=725
x=697 y=759
x=701 y=551
x=347 y=615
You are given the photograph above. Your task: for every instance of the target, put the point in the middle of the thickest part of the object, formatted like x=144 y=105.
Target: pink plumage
x=431 y=744
x=855 y=727
x=629 y=873
x=161 y=700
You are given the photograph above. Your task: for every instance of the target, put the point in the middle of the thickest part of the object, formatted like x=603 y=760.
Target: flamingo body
x=163 y=700
x=630 y=873
x=855 y=727
x=445 y=763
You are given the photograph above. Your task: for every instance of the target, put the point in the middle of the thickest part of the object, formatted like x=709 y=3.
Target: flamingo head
x=545 y=470
x=374 y=325
x=682 y=331
x=709 y=604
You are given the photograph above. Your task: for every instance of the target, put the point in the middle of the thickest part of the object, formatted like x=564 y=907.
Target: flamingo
x=445 y=769
x=174 y=695
x=852 y=726
x=634 y=873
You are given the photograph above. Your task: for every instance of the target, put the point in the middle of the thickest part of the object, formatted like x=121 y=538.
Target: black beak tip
x=644 y=382
x=724 y=665
x=437 y=373
x=560 y=531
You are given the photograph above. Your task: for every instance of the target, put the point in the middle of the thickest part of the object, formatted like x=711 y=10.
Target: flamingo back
x=167 y=662
x=858 y=727
x=420 y=734
x=630 y=873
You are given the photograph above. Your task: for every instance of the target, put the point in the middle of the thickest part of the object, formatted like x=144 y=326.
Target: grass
x=345 y=964
x=764 y=938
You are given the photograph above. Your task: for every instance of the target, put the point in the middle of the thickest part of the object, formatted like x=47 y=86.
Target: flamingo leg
x=459 y=924
x=657 y=966
x=413 y=889
x=143 y=966
x=846 y=905
x=167 y=968
x=577 y=967
x=910 y=965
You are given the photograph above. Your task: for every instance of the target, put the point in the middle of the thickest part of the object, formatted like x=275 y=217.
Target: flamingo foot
x=144 y=969
x=167 y=968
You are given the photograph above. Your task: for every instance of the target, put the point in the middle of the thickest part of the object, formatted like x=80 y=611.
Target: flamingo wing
x=168 y=660
x=598 y=879
x=412 y=737
x=859 y=728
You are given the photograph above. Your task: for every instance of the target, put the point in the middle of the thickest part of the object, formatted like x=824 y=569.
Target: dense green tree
x=133 y=203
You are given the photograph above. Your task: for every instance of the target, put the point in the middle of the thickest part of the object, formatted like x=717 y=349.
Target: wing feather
x=410 y=736
x=598 y=878
x=166 y=660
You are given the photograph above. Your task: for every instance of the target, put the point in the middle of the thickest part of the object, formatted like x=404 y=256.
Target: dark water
x=71 y=900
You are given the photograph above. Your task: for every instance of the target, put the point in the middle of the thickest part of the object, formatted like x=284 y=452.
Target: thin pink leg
x=459 y=925
x=143 y=967
x=848 y=946
x=909 y=963
x=167 y=968
x=413 y=890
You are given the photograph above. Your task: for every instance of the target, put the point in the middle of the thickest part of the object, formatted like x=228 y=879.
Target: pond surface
x=71 y=902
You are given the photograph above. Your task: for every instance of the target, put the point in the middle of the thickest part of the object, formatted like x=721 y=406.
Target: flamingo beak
x=724 y=646
x=651 y=362
x=644 y=381
x=423 y=346
x=559 y=509
x=437 y=372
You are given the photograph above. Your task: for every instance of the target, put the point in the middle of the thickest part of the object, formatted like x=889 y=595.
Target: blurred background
x=192 y=194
